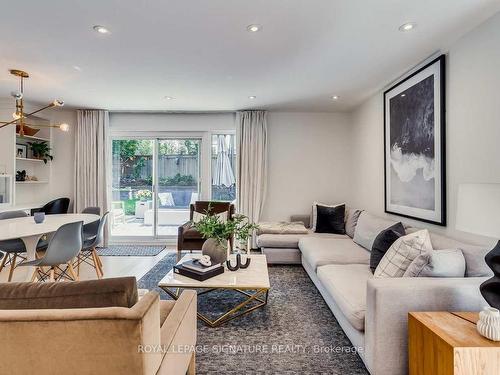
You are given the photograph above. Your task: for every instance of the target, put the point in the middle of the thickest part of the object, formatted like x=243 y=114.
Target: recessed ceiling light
x=403 y=95
x=254 y=28
x=407 y=26
x=335 y=97
x=101 y=29
x=77 y=68
x=169 y=98
x=252 y=97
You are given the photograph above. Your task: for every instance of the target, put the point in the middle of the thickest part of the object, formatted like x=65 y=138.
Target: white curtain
x=252 y=163
x=90 y=160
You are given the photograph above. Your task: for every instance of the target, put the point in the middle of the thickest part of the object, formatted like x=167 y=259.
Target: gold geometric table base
x=259 y=295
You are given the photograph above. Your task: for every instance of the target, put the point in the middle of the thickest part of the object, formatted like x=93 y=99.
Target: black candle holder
x=238 y=263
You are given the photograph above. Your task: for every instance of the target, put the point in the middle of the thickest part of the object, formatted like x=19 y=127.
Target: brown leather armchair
x=188 y=237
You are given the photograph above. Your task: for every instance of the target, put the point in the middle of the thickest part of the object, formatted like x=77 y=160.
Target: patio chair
x=118 y=211
x=188 y=237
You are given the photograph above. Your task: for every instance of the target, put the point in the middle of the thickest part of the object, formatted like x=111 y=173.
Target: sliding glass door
x=153 y=183
x=178 y=183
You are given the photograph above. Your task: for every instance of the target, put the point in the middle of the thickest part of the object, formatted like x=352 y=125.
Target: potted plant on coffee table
x=218 y=233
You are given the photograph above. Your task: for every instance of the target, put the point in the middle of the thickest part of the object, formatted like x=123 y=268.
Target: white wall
x=176 y=122
x=308 y=161
x=473 y=127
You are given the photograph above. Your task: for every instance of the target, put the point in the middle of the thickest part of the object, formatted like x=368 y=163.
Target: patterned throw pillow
x=402 y=252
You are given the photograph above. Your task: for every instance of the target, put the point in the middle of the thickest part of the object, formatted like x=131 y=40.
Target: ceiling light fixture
x=101 y=29
x=254 y=28
x=77 y=68
x=19 y=116
x=252 y=97
x=169 y=98
x=335 y=97
x=407 y=26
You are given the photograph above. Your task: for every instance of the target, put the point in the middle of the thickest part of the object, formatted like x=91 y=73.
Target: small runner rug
x=130 y=250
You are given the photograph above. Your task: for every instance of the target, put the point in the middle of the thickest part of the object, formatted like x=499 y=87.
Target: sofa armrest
x=306 y=219
x=389 y=300
x=178 y=334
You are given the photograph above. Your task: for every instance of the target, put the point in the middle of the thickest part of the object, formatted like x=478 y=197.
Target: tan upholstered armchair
x=95 y=327
x=188 y=237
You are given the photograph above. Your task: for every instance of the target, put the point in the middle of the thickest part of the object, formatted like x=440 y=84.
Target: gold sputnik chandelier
x=20 y=116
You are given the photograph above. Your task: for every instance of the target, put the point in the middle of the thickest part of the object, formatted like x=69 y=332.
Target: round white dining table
x=27 y=230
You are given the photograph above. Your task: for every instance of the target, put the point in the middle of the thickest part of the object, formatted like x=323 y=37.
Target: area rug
x=296 y=333
x=130 y=250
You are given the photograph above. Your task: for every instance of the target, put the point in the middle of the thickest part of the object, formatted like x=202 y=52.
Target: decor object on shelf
x=23 y=128
x=205 y=261
x=414 y=144
x=21 y=151
x=39 y=217
x=239 y=265
x=488 y=324
x=21 y=176
x=41 y=150
x=476 y=214
x=217 y=233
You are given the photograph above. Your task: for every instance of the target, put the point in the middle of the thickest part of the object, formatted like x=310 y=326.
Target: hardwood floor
x=114 y=266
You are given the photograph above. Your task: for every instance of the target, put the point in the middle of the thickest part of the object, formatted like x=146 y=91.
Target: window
x=223 y=161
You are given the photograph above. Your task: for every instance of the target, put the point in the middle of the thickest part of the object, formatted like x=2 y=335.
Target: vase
x=488 y=324
x=215 y=250
x=490 y=289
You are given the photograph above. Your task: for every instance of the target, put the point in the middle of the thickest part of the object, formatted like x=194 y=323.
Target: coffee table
x=252 y=282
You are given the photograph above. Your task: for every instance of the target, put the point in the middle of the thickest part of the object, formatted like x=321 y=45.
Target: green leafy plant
x=211 y=226
x=41 y=150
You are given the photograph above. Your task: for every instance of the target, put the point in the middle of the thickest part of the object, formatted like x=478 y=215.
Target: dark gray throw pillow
x=330 y=219
x=383 y=242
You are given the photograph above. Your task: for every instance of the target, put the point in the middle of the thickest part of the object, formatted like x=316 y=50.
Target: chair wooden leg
x=72 y=272
x=12 y=266
x=52 y=274
x=35 y=274
x=95 y=262
x=5 y=257
x=78 y=260
x=192 y=365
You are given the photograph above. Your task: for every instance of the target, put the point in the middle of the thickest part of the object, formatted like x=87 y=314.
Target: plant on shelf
x=218 y=232
x=41 y=150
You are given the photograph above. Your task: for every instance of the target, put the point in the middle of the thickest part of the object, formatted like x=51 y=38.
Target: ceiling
x=200 y=53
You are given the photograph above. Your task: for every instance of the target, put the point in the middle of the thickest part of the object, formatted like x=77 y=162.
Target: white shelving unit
x=28 y=190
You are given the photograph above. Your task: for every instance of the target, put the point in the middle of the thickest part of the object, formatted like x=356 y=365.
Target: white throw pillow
x=314 y=215
x=197 y=216
x=402 y=253
x=438 y=263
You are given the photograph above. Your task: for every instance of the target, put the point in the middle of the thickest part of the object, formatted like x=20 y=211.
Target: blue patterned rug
x=130 y=250
x=296 y=333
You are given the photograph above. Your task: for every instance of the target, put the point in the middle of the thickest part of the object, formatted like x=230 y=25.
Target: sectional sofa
x=373 y=311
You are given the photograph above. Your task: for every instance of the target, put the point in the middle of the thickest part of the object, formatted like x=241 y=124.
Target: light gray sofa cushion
x=290 y=240
x=368 y=227
x=438 y=263
x=475 y=266
x=347 y=286
x=351 y=220
x=319 y=251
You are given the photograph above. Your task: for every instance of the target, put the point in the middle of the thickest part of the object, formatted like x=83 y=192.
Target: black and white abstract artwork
x=415 y=145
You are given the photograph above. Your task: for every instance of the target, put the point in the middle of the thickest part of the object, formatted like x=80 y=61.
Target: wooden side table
x=447 y=343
